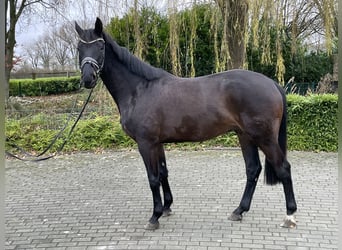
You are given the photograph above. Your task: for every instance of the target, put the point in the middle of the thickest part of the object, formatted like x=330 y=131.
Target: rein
x=41 y=157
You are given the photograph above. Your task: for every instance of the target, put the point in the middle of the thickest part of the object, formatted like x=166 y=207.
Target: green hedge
x=312 y=122
x=312 y=126
x=43 y=86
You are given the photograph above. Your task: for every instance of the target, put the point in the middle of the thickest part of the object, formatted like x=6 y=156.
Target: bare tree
x=33 y=57
x=44 y=50
x=328 y=12
x=60 y=47
x=68 y=37
x=235 y=16
x=14 y=9
x=298 y=20
x=174 y=37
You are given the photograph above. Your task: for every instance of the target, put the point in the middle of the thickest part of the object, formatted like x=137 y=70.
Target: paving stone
x=102 y=201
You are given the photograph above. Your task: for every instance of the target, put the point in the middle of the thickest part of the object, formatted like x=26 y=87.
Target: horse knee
x=154 y=182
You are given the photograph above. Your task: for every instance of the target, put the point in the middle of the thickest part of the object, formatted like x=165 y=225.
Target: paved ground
x=102 y=201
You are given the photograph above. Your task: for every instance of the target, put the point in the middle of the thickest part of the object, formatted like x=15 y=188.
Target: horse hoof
x=151 y=226
x=235 y=217
x=167 y=212
x=289 y=222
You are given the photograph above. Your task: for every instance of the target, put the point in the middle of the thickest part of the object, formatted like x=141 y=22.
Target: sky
x=31 y=27
x=29 y=34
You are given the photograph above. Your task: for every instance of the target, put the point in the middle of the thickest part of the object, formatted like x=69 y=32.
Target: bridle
x=92 y=61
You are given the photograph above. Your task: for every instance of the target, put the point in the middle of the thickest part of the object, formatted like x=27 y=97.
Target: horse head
x=91 y=49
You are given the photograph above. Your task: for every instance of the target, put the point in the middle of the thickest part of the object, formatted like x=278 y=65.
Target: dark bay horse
x=157 y=107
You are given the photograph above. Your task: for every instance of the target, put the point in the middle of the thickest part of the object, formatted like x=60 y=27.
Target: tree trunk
x=235 y=14
x=9 y=47
x=174 y=38
x=13 y=11
x=10 y=43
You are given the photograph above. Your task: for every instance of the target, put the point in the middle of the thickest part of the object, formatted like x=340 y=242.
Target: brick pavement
x=102 y=201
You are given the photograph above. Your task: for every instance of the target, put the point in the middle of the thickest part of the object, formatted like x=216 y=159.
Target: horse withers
x=157 y=107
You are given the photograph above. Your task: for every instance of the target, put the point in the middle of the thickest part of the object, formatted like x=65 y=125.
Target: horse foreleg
x=149 y=153
x=168 y=199
x=253 y=169
x=163 y=172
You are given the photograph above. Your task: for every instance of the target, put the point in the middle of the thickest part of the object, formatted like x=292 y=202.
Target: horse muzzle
x=90 y=71
x=89 y=77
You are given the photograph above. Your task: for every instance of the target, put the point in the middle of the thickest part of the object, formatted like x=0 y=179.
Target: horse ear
x=78 y=29
x=98 y=27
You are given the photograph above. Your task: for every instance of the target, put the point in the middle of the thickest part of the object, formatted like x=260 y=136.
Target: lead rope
x=40 y=157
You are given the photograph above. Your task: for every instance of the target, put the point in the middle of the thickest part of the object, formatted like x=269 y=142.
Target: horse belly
x=195 y=128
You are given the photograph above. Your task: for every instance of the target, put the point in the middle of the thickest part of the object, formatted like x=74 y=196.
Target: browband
x=93 y=41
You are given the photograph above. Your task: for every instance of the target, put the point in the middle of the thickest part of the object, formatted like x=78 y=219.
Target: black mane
x=133 y=63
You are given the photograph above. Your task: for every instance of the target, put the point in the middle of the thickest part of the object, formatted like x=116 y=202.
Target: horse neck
x=120 y=82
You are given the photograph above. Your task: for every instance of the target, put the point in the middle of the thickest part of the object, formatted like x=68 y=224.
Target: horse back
x=196 y=109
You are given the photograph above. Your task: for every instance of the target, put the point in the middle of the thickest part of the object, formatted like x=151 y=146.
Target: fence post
x=20 y=90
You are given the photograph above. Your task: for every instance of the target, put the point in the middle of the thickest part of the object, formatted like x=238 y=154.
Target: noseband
x=91 y=60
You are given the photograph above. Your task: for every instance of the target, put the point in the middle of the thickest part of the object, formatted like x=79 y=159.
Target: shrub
x=312 y=126
x=35 y=134
x=43 y=86
x=312 y=122
x=101 y=132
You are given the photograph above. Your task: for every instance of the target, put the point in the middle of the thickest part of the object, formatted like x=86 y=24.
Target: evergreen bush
x=312 y=126
x=43 y=86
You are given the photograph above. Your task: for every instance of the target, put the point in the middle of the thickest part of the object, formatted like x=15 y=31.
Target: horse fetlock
x=235 y=217
x=153 y=222
x=291 y=208
x=151 y=226
x=289 y=222
x=157 y=213
x=167 y=212
x=168 y=199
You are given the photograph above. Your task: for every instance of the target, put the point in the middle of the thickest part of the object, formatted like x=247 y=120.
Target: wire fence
x=35 y=75
x=52 y=112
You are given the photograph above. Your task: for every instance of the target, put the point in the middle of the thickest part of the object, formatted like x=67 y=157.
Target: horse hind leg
x=253 y=169
x=278 y=169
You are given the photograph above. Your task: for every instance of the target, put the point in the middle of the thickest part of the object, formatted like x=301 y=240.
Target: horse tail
x=270 y=175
